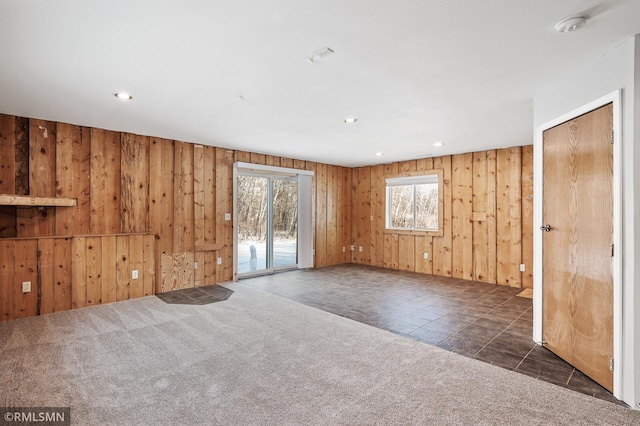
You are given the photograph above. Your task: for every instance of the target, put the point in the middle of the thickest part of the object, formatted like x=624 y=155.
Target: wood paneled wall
x=73 y=272
x=128 y=183
x=488 y=205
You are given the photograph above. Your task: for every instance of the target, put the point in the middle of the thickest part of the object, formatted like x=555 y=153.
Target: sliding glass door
x=267 y=223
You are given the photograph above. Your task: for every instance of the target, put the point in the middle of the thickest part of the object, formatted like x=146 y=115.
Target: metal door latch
x=546 y=228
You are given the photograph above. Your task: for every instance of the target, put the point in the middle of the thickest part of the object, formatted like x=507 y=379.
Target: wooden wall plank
x=40 y=222
x=109 y=269
x=378 y=211
x=321 y=216
x=503 y=211
x=423 y=245
x=224 y=205
x=134 y=182
x=78 y=272
x=258 y=158
x=94 y=270
x=136 y=263
x=105 y=182
x=345 y=217
x=7 y=278
x=492 y=262
x=73 y=179
x=479 y=206
x=161 y=200
x=46 y=286
x=123 y=274
x=198 y=195
x=442 y=264
x=515 y=216
x=62 y=275
x=26 y=269
x=406 y=253
x=243 y=156
x=149 y=265
x=22 y=131
x=527 y=215
x=462 y=238
x=8 y=214
x=332 y=255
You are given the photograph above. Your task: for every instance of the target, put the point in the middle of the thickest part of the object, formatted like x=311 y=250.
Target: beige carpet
x=261 y=359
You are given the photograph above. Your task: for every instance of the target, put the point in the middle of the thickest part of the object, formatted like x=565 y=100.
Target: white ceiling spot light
x=350 y=120
x=569 y=25
x=438 y=144
x=123 y=96
x=379 y=154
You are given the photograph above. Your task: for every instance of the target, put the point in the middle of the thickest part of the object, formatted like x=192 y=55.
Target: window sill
x=416 y=232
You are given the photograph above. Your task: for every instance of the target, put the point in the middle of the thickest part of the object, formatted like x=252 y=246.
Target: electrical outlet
x=26 y=287
x=219 y=261
x=360 y=249
x=227 y=216
x=522 y=268
x=134 y=274
x=371 y=218
x=353 y=248
x=426 y=255
x=195 y=265
x=344 y=249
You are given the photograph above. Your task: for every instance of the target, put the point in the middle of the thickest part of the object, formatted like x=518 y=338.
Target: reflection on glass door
x=267 y=218
x=285 y=223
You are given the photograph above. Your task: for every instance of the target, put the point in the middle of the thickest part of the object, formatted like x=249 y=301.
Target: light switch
x=227 y=216
x=134 y=274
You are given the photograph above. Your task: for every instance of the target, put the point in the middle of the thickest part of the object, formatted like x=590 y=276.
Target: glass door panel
x=285 y=223
x=253 y=224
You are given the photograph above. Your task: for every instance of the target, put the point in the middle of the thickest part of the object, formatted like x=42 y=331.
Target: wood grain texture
x=93 y=275
x=461 y=215
x=62 y=274
x=109 y=269
x=46 y=286
x=7 y=279
x=134 y=182
x=321 y=216
x=527 y=215
x=8 y=215
x=378 y=199
x=577 y=272
x=136 y=263
x=22 y=131
x=442 y=261
x=479 y=207
x=73 y=164
x=105 y=182
x=78 y=272
x=26 y=269
x=224 y=204
x=123 y=274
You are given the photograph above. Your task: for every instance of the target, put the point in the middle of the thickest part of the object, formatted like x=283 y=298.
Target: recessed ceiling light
x=350 y=120
x=379 y=154
x=438 y=143
x=569 y=25
x=123 y=96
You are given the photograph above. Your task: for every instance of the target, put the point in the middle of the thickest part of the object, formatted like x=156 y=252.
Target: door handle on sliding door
x=546 y=228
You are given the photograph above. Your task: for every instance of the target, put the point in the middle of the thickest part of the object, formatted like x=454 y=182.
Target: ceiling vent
x=320 y=54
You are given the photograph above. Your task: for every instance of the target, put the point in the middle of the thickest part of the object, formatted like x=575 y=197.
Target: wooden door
x=577 y=250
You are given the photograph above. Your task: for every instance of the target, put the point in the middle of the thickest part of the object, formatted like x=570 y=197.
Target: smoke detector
x=570 y=25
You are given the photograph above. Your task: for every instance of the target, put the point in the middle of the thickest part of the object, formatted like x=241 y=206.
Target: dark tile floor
x=196 y=296
x=477 y=320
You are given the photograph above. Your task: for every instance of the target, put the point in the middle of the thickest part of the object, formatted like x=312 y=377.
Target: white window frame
x=413 y=179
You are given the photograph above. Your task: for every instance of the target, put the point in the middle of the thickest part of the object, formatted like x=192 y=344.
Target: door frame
x=305 y=210
x=538 y=285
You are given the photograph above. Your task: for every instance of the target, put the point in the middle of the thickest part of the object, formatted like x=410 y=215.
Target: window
x=414 y=203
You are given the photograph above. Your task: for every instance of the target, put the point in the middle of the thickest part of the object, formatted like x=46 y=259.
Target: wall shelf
x=25 y=200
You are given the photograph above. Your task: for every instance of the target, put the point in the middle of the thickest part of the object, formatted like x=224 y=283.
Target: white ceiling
x=236 y=73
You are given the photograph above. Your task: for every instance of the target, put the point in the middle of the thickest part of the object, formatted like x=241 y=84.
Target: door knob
x=546 y=228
